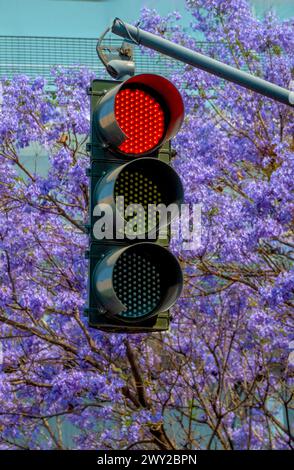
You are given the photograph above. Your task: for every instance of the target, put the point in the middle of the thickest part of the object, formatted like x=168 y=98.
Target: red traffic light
x=141 y=117
x=140 y=114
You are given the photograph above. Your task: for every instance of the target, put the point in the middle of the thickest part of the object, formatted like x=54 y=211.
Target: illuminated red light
x=141 y=118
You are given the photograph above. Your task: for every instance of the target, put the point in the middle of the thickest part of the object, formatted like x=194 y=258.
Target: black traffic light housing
x=132 y=283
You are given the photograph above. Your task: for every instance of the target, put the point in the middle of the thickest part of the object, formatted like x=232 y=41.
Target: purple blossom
x=221 y=377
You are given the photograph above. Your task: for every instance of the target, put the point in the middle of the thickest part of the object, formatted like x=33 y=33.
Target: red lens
x=141 y=117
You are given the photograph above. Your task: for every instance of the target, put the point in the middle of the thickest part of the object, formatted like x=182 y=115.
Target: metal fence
x=35 y=56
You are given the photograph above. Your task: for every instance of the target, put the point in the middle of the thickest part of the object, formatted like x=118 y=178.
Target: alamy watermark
x=148 y=222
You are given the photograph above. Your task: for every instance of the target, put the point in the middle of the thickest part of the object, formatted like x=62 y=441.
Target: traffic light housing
x=132 y=280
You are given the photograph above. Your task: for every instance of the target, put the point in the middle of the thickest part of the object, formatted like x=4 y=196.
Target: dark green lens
x=138 y=189
x=136 y=282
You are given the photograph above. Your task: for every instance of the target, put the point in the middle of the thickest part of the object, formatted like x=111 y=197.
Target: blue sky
x=72 y=18
x=87 y=18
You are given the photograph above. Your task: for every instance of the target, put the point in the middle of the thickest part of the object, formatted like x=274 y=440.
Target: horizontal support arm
x=215 y=67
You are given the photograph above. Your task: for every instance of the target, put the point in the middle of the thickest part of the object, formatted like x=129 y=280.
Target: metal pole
x=203 y=62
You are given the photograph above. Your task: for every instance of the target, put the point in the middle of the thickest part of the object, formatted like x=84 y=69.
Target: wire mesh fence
x=36 y=56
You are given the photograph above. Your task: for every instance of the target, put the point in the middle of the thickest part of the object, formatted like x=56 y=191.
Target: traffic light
x=133 y=278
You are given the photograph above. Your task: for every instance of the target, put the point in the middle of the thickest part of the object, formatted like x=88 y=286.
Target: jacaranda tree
x=221 y=378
